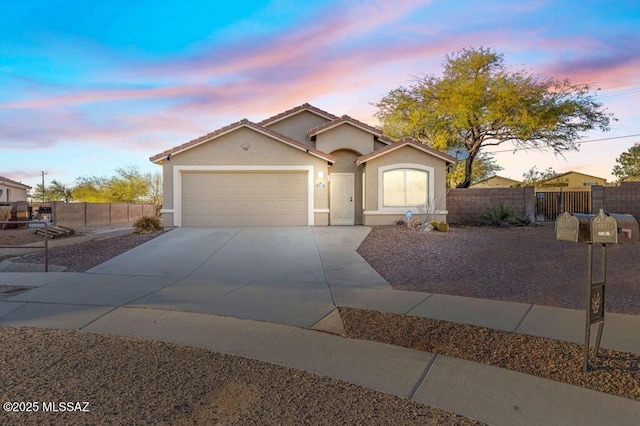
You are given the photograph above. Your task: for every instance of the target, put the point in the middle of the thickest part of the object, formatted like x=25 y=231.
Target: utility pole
x=43 y=189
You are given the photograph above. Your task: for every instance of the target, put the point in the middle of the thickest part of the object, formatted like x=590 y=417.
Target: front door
x=342 y=199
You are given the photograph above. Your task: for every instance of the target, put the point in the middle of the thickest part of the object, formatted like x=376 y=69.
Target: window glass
x=405 y=188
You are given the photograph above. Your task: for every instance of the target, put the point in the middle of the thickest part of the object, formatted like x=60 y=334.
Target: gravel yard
x=520 y=264
x=84 y=256
x=613 y=372
x=137 y=381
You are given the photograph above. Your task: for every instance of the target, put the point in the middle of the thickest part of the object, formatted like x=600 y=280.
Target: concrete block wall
x=468 y=205
x=72 y=215
x=617 y=199
x=99 y=214
x=119 y=214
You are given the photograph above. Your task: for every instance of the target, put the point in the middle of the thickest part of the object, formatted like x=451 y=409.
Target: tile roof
x=345 y=119
x=406 y=142
x=8 y=182
x=568 y=173
x=158 y=158
x=293 y=111
x=385 y=140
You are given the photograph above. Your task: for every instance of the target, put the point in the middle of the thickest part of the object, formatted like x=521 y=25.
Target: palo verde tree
x=628 y=164
x=129 y=185
x=479 y=102
x=484 y=167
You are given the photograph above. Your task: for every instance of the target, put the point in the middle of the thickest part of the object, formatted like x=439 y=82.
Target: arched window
x=405 y=187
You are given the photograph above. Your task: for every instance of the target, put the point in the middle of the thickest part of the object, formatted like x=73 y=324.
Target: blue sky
x=89 y=86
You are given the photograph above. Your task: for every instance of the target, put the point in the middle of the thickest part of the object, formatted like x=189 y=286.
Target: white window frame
x=402 y=210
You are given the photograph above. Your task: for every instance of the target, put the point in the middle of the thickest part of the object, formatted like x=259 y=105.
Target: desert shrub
x=434 y=224
x=521 y=220
x=400 y=222
x=442 y=226
x=147 y=224
x=504 y=216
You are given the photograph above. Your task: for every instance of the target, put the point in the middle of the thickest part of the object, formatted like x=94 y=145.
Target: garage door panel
x=273 y=198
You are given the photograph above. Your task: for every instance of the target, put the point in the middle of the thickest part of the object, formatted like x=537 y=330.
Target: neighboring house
x=497 y=182
x=11 y=191
x=569 y=182
x=303 y=167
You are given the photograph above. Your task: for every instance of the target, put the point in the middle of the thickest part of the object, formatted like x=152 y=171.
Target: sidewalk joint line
x=214 y=253
x=96 y=319
x=523 y=318
x=419 y=303
x=423 y=376
x=315 y=240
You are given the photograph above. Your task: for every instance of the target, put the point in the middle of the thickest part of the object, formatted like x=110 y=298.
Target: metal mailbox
x=575 y=227
x=602 y=228
x=613 y=228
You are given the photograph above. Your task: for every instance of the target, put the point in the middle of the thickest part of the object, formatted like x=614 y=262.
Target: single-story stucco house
x=303 y=167
x=496 y=181
x=569 y=182
x=11 y=191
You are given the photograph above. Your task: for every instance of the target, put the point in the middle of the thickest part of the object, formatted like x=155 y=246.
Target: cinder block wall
x=71 y=215
x=119 y=214
x=617 y=199
x=99 y=214
x=470 y=204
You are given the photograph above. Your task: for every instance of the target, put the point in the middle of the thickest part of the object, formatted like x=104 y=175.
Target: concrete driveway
x=287 y=275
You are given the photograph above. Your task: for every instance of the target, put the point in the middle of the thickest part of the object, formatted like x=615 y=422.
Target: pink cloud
x=21 y=176
x=324 y=56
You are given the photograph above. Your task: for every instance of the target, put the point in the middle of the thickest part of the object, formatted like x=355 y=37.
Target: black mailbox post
x=602 y=228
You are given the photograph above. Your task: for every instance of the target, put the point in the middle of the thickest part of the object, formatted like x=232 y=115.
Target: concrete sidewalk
x=267 y=317
x=486 y=393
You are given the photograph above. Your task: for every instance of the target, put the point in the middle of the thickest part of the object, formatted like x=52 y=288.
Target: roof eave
x=160 y=158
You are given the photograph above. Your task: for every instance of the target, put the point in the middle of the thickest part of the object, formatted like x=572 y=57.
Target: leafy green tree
x=485 y=166
x=628 y=164
x=91 y=190
x=38 y=194
x=59 y=192
x=129 y=185
x=154 y=190
x=55 y=192
x=478 y=102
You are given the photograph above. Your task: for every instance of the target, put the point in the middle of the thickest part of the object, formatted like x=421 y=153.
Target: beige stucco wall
x=227 y=150
x=497 y=182
x=345 y=136
x=404 y=155
x=12 y=194
x=321 y=219
x=297 y=126
x=569 y=182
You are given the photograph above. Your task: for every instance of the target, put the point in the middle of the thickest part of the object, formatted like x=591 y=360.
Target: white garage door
x=256 y=198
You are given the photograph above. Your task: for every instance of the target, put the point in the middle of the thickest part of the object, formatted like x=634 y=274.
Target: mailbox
x=575 y=227
x=613 y=228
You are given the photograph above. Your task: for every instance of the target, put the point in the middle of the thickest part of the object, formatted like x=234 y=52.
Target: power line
x=579 y=143
x=620 y=93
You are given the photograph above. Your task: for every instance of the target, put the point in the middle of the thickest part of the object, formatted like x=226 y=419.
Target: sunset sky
x=87 y=86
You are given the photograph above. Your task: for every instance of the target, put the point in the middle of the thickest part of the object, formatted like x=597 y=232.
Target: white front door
x=342 y=199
